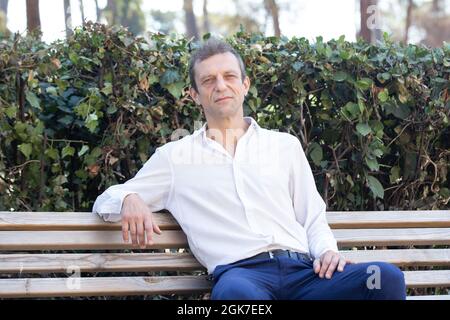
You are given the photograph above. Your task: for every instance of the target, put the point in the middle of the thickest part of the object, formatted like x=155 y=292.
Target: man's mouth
x=222 y=99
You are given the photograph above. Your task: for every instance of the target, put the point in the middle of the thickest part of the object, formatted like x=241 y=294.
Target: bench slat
x=389 y=219
x=401 y=257
x=98 y=262
x=336 y=219
x=392 y=237
x=83 y=240
x=111 y=286
x=150 y=262
x=427 y=278
x=102 y=286
x=70 y=221
x=435 y=297
x=63 y=240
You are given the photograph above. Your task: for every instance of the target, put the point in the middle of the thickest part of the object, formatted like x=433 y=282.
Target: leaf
x=107 y=89
x=316 y=153
x=352 y=109
x=364 y=83
x=340 y=76
x=33 y=99
x=52 y=90
x=176 y=89
x=297 y=65
x=66 y=120
x=170 y=76
x=11 y=112
x=26 y=149
x=83 y=150
x=394 y=177
x=91 y=122
x=363 y=128
x=383 y=95
x=67 y=151
x=372 y=164
x=376 y=187
x=52 y=153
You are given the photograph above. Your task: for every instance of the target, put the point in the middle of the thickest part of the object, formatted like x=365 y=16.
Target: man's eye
x=206 y=81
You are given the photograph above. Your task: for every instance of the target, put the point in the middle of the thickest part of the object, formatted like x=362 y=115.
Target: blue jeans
x=283 y=278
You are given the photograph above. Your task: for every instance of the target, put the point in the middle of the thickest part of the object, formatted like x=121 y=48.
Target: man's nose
x=220 y=83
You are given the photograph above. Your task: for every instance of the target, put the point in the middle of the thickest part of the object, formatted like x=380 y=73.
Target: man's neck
x=227 y=132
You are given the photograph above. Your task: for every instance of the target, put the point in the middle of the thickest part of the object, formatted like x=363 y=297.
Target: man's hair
x=209 y=48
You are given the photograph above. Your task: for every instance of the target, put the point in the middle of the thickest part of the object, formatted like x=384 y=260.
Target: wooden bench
x=40 y=251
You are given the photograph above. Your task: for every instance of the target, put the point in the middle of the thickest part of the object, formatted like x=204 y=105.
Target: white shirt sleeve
x=152 y=183
x=309 y=207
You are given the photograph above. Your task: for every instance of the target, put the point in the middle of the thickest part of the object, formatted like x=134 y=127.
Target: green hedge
x=80 y=115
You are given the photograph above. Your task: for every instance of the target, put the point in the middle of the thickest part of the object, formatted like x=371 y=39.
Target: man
x=246 y=199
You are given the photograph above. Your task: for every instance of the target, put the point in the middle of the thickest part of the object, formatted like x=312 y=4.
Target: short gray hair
x=209 y=48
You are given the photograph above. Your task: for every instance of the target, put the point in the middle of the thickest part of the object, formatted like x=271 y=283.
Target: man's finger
x=133 y=232
x=333 y=264
x=156 y=228
x=342 y=263
x=316 y=265
x=125 y=227
x=141 y=234
x=149 y=230
x=325 y=263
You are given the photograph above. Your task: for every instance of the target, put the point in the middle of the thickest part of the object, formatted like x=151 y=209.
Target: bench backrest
x=47 y=254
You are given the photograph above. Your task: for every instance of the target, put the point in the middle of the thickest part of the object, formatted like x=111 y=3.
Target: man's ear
x=194 y=95
x=246 y=84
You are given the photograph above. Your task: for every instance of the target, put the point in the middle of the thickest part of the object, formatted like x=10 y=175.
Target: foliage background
x=79 y=115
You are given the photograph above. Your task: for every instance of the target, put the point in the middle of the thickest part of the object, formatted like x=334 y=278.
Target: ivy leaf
x=383 y=95
x=26 y=149
x=11 y=112
x=297 y=65
x=340 y=76
x=376 y=187
x=364 y=83
x=83 y=150
x=372 y=164
x=176 y=89
x=316 y=153
x=394 y=177
x=170 y=76
x=363 y=129
x=52 y=153
x=67 y=151
x=33 y=99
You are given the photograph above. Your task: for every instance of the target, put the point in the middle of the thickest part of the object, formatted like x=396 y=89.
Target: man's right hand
x=138 y=220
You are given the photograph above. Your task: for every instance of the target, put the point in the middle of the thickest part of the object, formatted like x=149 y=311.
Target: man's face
x=221 y=90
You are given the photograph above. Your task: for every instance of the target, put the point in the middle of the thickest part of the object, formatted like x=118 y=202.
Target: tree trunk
x=4 y=17
x=4 y=6
x=33 y=19
x=112 y=7
x=205 y=17
x=68 y=18
x=366 y=31
x=191 y=23
x=273 y=10
x=97 y=11
x=82 y=12
x=408 y=20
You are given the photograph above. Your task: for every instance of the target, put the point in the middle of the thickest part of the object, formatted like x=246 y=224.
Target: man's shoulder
x=280 y=136
x=181 y=143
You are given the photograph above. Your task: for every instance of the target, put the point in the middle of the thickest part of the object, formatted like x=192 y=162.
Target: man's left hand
x=327 y=263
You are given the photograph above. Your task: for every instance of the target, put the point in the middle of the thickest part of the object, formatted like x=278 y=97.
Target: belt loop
x=270 y=254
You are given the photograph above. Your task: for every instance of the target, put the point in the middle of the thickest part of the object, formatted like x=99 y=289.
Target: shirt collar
x=252 y=122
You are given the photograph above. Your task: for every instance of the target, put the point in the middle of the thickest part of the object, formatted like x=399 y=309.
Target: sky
x=304 y=18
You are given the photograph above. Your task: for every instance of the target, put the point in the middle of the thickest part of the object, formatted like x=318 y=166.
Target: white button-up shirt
x=232 y=207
